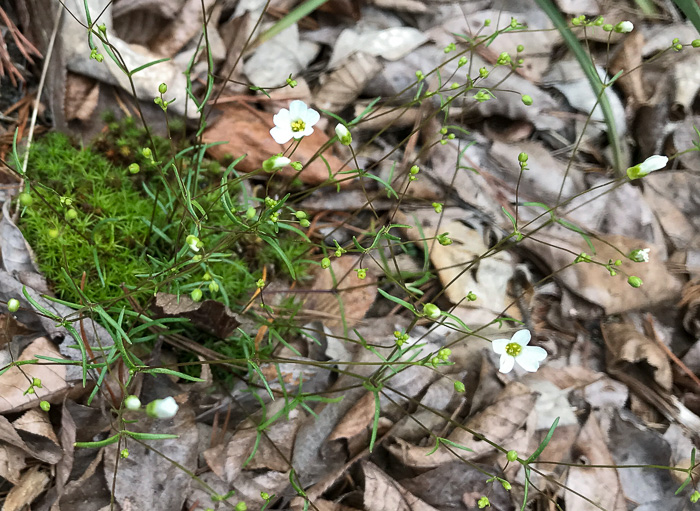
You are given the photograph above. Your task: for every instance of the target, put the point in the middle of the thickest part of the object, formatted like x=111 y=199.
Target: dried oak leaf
x=210 y=315
x=498 y=422
x=382 y=493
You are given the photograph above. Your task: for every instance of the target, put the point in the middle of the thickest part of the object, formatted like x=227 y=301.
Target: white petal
x=652 y=163
x=281 y=135
x=626 y=27
x=522 y=337
x=535 y=352
x=282 y=118
x=311 y=117
x=507 y=363
x=499 y=346
x=297 y=109
x=307 y=131
x=530 y=358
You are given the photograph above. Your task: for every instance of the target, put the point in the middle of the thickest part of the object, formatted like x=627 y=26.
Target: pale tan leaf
x=382 y=493
x=355 y=295
x=344 y=85
x=12 y=462
x=633 y=353
x=82 y=95
x=358 y=418
x=36 y=421
x=629 y=59
x=601 y=485
x=498 y=422
x=15 y=382
x=31 y=485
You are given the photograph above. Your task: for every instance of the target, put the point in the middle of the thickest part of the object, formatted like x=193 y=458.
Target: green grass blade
x=589 y=69
x=290 y=19
x=691 y=9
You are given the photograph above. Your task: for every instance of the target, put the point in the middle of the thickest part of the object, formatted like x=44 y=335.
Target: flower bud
x=213 y=287
x=25 y=199
x=523 y=157
x=634 y=281
x=651 y=164
x=624 y=27
x=132 y=403
x=431 y=311
x=484 y=502
x=162 y=408
x=640 y=255
x=45 y=405
x=71 y=214
x=512 y=456
x=275 y=163
x=13 y=305
x=459 y=387
x=695 y=43
x=325 y=263
x=343 y=134
x=134 y=168
x=163 y=88
x=527 y=100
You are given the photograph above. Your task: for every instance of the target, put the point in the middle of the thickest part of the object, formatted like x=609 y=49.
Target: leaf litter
x=618 y=390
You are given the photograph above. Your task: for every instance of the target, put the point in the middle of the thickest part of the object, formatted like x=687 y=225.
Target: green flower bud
x=36 y=382
x=419 y=75
x=471 y=297
x=487 y=22
x=325 y=263
x=459 y=387
x=241 y=506
x=437 y=206
x=695 y=496
x=102 y=28
x=163 y=88
x=304 y=223
x=296 y=165
x=275 y=163
x=343 y=134
x=483 y=72
x=250 y=213
x=71 y=214
x=260 y=283
x=527 y=100
x=484 y=502
x=506 y=485
x=462 y=61
x=45 y=405
x=196 y=295
x=134 y=168
x=608 y=27
x=431 y=311
x=523 y=157
x=25 y=199
x=520 y=48
x=124 y=453
x=132 y=403
x=13 y=305
x=695 y=44
x=414 y=170
x=444 y=239
x=361 y=273
x=512 y=456
x=213 y=287
x=146 y=152
x=575 y=22
x=634 y=281
x=599 y=21
x=53 y=233
x=292 y=83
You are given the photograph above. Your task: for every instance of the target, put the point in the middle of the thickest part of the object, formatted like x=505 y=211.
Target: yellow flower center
x=298 y=125
x=513 y=349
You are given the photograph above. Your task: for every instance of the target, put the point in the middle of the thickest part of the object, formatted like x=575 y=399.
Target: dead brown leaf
x=601 y=485
x=355 y=295
x=498 y=422
x=635 y=354
x=247 y=131
x=356 y=420
x=82 y=95
x=342 y=86
x=382 y=493
x=16 y=380
x=32 y=484
x=12 y=462
x=629 y=57
x=209 y=315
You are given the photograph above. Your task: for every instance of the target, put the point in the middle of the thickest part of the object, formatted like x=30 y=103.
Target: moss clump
x=108 y=229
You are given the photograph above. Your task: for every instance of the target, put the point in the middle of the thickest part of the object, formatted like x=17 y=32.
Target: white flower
x=194 y=242
x=640 y=255
x=275 y=163
x=162 y=408
x=651 y=164
x=343 y=133
x=624 y=27
x=132 y=403
x=516 y=349
x=295 y=123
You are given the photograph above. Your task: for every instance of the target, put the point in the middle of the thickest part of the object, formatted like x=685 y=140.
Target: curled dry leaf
x=14 y=381
x=498 y=422
x=358 y=418
x=49 y=453
x=601 y=485
x=338 y=294
x=382 y=493
x=342 y=86
x=36 y=422
x=82 y=94
x=690 y=305
x=209 y=315
x=636 y=355
x=12 y=462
